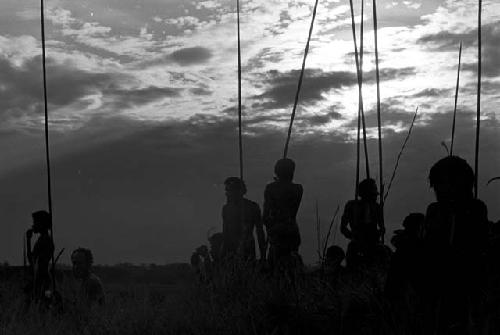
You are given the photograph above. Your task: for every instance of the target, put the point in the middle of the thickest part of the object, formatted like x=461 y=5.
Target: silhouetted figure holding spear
x=240 y=217
x=40 y=255
x=456 y=235
x=282 y=200
x=362 y=223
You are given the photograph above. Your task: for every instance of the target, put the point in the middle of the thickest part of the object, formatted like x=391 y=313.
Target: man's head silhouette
x=368 y=189
x=41 y=221
x=235 y=188
x=284 y=169
x=452 y=179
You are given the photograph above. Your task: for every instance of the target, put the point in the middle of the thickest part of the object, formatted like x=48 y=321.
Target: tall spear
x=361 y=104
x=47 y=148
x=379 y=121
x=478 y=115
x=240 y=133
x=360 y=100
x=456 y=100
x=301 y=78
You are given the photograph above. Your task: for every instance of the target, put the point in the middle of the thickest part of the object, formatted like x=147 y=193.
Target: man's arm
x=344 y=222
x=267 y=208
x=29 y=252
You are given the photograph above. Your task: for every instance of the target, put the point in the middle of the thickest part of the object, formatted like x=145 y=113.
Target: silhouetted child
x=333 y=268
x=456 y=234
x=40 y=255
x=91 y=291
x=362 y=223
x=403 y=285
x=282 y=199
x=240 y=217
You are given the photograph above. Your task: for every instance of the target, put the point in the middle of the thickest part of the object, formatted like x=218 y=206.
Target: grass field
x=170 y=300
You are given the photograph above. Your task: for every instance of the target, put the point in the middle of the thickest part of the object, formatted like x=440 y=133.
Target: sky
x=143 y=119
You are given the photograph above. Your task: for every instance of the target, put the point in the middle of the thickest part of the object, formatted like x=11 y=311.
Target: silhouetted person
x=40 y=255
x=216 y=243
x=456 y=234
x=91 y=291
x=362 y=223
x=282 y=199
x=404 y=283
x=202 y=263
x=333 y=268
x=240 y=217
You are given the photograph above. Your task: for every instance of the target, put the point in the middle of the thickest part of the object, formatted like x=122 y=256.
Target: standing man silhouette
x=240 y=217
x=282 y=200
x=362 y=224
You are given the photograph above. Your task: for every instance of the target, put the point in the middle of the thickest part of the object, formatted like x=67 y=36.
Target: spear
x=47 y=147
x=240 y=135
x=379 y=121
x=301 y=78
x=400 y=154
x=456 y=100
x=478 y=114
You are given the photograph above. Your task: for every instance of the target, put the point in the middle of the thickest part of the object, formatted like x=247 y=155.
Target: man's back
x=237 y=226
x=281 y=202
x=363 y=217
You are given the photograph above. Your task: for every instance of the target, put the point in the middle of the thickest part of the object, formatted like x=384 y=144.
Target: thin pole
x=240 y=132
x=399 y=155
x=379 y=120
x=360 y=101
x=361 y=104
x=47 y=150
x=456 y=100
x=478 y=116
x=299 y=85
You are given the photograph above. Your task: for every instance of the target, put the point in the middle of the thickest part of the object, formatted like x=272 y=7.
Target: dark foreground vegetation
x=240 y=300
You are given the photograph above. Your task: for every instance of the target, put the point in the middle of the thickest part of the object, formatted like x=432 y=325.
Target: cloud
x=129 y=98
x=191 y=56
x=283 y=85
x=449 y=41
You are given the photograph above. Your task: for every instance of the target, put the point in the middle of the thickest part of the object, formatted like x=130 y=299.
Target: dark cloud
x=431 y=92
x=449 y=41
x=200 y=91
x=191 y=56
x=22 y=85
x=283 y=85
x=128 y=98
x=22 y=90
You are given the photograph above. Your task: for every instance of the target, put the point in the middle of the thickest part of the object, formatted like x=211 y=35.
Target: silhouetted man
x=281 y=203
x=456 y=234
x=362 y=223
x=39 y=257
x=240 y=217
x=91 y=291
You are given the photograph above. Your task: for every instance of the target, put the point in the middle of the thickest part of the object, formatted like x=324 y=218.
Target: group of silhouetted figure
x=444 y=272
x=40 y=275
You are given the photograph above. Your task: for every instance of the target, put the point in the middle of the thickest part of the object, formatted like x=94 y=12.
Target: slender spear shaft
x=379 y=120
x=399 y=155
x=361 y=104
x=301 y=78
x=240 y=131
x=478 y=116
x=360 y=101
x=47 y=149
x=456 y=100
